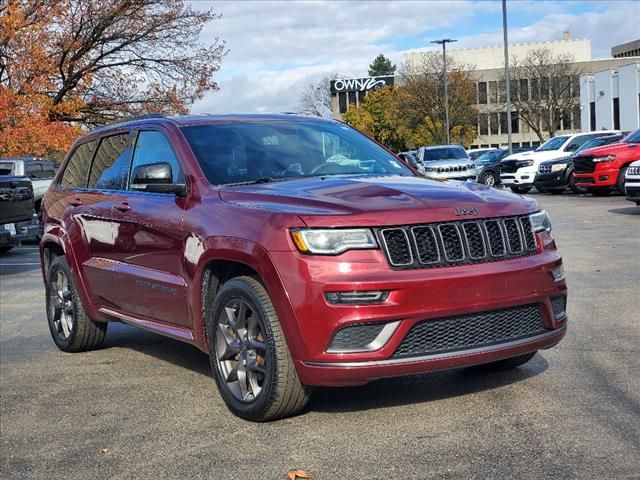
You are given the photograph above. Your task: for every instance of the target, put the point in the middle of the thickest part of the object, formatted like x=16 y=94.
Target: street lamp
x=507 y=77
x=444 y=42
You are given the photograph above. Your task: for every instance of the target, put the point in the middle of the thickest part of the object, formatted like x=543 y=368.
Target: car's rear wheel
x=72 y=330
x=489 y=178
x=520 y=190
x=249 y=356
x=620 y=182
x=509 y=363
x=572 y=184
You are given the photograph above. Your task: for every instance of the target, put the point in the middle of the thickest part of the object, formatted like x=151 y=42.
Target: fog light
x=602 y=178
x=525 y=177
x=354 y=298
x=557 y=273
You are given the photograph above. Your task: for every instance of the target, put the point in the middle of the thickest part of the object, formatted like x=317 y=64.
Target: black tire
x=620 y=181
x=509 y=363
x=572 y=184
x=599 y=192
x=84 y=334
x=520 y=190
x=5 y=248
x=489 y=178
x=282 y=394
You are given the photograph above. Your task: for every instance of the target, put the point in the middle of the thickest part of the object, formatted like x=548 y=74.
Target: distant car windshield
x=237 y=153
x=597 y=142
x=490 y=156
x=445 y=153
x=633 y=137
x=6 y=168
x=552 y=144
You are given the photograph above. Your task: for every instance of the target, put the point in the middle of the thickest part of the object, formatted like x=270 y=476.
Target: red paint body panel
x=624 y=152
x=145 y=266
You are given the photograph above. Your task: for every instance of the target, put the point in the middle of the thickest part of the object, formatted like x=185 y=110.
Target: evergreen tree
x=381 y=66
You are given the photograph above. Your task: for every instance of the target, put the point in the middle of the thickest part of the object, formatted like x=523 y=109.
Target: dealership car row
x=590 y=162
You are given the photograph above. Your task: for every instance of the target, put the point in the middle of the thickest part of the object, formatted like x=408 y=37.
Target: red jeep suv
x=296 y=252
x=600 y=169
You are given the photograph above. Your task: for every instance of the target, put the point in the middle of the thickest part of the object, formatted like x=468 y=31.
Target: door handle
x=76 y=202
x=123 y=207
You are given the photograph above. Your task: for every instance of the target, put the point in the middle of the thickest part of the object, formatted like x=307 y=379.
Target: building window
x=502 y=91
x=544 y=88
x=494 y=122
x=361 y=96
x=526 y=144
x=493 y=92
x=592 y=115
x=524 y=89
x=575 y=86
x=575 y=123
x=482 y=92
x=342 y=102
x=616 y=114
x=535 y=144
x=525 y=126
x=535 y=89
x=495 y=145
x=352 y=98
x=503 y=122
x=484 y=124
x=515 y=124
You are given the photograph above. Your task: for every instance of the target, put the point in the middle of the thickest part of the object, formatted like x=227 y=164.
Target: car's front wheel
x=621 y=180
x=249 y=356
x=520 y=190
x=489 y=178
x=72 y=330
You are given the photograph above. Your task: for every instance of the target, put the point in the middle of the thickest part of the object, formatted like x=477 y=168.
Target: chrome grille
x=455 y=243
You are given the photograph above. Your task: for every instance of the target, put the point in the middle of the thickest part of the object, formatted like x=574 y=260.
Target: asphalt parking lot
x=146 y=407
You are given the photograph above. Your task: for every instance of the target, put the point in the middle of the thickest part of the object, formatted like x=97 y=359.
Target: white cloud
x=277 y=48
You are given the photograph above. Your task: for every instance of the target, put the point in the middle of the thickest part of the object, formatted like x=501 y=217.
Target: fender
x=257 y=258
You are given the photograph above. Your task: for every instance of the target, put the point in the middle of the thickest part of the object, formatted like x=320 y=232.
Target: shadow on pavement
x=627 y=211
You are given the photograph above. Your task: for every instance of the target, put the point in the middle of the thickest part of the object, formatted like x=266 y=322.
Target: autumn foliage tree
x=69 y=64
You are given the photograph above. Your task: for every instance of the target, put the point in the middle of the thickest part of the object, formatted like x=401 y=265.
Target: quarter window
x=110 y=167
x=77 y=169
x=153 y=147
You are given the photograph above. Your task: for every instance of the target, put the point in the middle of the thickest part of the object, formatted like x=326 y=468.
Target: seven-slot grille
x=455 y=243
x=475 y=330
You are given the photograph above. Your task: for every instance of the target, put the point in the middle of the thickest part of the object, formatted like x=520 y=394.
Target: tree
x=315 y=99
x=381 y=66
x=423 y=104
x=76 y=63
x=377 y=118
x=545 y=90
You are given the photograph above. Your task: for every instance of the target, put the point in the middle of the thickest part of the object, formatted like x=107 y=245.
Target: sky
x=276 y=48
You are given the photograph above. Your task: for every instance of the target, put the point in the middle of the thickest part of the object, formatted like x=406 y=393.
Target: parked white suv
x=518 y=171
x=632 y=182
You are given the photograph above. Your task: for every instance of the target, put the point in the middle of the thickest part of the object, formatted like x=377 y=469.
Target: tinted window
x=446 y=153
x=597 y=142
x=77 y=169
x=110 y=167
x=552 y=144
x=154 y=147
x=579 y=141
x=633 y=137
x=246 y=152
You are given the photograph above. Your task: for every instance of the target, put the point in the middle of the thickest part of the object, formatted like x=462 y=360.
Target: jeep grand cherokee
x=296 y=252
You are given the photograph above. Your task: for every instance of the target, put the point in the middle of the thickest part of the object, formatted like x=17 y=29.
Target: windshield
x=552 y=144
x=633 y=137
x=596 y=142
x=446 y=153
x=250 y=152
x=490 y=156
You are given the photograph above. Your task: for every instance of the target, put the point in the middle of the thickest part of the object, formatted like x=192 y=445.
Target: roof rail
x=132 y=119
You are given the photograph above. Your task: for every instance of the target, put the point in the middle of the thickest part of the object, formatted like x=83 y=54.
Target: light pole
x=507 y=76
x=444 y=42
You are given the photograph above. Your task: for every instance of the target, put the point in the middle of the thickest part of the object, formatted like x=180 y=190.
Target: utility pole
x=444 y=42
x=507 y=76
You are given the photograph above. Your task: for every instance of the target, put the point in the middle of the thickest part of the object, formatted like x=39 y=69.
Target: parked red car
x=601 y=169
x=296 y=252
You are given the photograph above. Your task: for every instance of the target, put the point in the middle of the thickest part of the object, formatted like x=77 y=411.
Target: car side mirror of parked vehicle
x=158 y=178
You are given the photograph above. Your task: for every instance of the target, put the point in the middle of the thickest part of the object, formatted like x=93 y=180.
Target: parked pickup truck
x=39 y=171
x=16 y=205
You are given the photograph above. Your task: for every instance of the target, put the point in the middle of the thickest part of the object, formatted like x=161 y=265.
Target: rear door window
x=77 y=170
x=110 y=167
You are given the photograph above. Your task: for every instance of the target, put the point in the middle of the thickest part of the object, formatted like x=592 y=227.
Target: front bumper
x=600 y=177
x=632 y=189
x=415 y=296
x=523 y=177
x=552 y=181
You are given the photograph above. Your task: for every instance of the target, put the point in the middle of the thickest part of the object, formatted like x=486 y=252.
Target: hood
x=537 y=156
x=607 y=149
x=372 y=201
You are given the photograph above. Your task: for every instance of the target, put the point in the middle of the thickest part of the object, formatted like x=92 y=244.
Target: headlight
x=557 y=167
x=540 y=221
x=525 y=163
x=607 y=158
x=334 y=241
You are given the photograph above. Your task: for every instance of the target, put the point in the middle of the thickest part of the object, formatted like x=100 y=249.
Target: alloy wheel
x=61 y=305
x=241 y=351
x=489 y=180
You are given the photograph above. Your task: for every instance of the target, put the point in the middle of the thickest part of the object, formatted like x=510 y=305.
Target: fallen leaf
x=104 y=451
x=293 y=474
x=96 y=413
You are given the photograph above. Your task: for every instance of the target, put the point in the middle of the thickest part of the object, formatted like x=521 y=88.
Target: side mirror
x=158 y=178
